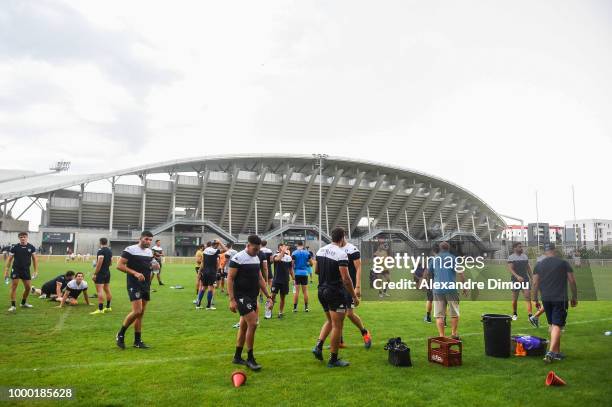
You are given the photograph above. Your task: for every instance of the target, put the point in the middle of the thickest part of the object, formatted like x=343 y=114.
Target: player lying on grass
x=74 y=288
x=244 y=282
x=54 y=289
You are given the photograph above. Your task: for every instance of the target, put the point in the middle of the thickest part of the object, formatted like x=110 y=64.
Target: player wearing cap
x=244 y=282
x=101 y=277
x=334 y=283
x=21 y=257
x=302 y=260
x=550 y=278
x=137 y=261
x=520 y=271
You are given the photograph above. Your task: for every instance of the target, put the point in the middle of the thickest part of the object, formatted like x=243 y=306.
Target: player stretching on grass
x=520 y=270
x=551 y=277
x=53 y=289
x=101 y=277
x=354 y=268
x=302 y=259
x=334 y=283
x=136 y=262
x=244 y=282
x=21 y=256
x=74 y=288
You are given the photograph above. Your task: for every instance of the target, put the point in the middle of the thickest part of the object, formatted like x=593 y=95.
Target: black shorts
x=301 y=280
x=20 y=274
x=333 y=299
x=349 y=300
x=270 y=274
x=48 y=289
x=209 y=278
x=139 y=291
x=280 y=288
x=246 y=304
x=102 y=278
x=556 y=312
x=514 y=280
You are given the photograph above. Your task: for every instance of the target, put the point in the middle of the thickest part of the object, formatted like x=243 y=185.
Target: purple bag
x=529 y=342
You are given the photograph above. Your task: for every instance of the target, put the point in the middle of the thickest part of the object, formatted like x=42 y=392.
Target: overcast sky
x=503 y=98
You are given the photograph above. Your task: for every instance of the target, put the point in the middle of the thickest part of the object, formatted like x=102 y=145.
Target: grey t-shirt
x=520 y=262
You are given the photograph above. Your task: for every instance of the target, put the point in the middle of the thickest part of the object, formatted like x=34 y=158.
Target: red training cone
x=238 y=378
x=553 y=380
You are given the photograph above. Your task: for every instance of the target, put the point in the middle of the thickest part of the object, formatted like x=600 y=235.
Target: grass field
x=189 y=359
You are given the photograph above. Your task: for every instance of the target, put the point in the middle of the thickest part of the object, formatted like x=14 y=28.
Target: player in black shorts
x=334 y=284
x=53 y=289
x=158 y=254
x=265 y=254
x=244 y=282
x=136 y=261
x=101 y=277
x=283 y=268
x=208 y=272
x=21 y=256
x=354 y=267
x=73 y=290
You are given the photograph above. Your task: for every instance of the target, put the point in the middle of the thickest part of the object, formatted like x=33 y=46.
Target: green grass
x=189 y=362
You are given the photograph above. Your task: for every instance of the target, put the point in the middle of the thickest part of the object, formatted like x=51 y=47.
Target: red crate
x=445 y=351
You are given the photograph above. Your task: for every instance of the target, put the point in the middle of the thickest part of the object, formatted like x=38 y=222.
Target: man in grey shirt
x=520 y=271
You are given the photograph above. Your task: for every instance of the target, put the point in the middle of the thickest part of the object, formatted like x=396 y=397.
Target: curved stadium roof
x=390 y=194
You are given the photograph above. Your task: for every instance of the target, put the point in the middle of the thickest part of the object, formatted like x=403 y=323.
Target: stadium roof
x=392 y=194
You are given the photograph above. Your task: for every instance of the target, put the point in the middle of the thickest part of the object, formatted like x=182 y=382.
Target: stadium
x=278 y=197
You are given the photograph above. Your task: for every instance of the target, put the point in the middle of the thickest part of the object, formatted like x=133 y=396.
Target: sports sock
x=209 y=298
x=100 y=306
x=12 y=303
x=429 y=315
x=341 y=339
x=200 y=296
x=250 y=355
x=137 y=336
x=108 y=304
x=122 y=330
x=333 y=357
x=305 y=305
x=22 y=301
x=320 y=344
x=238 y=353
x=530 y=315
x=295 y=305
x=363 y=331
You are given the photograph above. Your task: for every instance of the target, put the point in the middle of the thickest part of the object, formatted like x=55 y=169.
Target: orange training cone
x=553 y=380
x=238 y=378
x=520 y=350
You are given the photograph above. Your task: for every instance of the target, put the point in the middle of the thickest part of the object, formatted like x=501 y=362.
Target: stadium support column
x=368 y=215
x=230 y=216
x=348 y=221
x=425 y=227
x=489 y=230
x=326 y=220
x=112 y=208
x=173 y=209
x=458 y=226
x=473 y=224
x=143 y=178
x=256 y=219
x=388 y=220
x=80 y=213
x=407 y=224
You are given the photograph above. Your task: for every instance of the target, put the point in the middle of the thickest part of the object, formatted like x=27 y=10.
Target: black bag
x=399 y=352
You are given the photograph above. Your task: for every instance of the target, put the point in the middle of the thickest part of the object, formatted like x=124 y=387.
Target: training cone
x=553 y=380
x=238 y=378
x=520 y=350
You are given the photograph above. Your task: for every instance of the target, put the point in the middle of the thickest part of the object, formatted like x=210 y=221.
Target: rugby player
x=354 y=268
x=283 y=268
x=21 y=257
x=302 y=260
x=385 y=273
x=199 y=256
x=208 y=272
x=244 y=282
x=74 y=288
x=227 y=257
x=136 y=262
x=53 y=289
x=101 y=277
x=158 y=254
x=520 y=271
x=334 y=284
